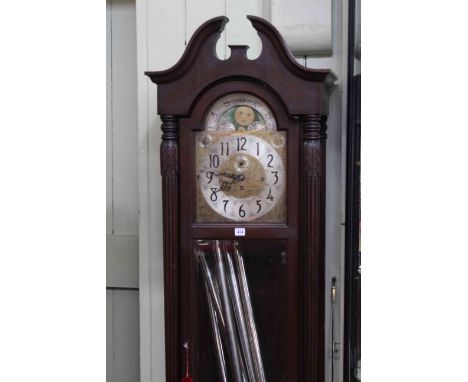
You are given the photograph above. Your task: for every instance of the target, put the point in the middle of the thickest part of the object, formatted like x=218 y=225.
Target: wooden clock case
x=299 y=98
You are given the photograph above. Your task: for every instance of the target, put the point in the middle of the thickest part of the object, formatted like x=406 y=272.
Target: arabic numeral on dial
x=259 y=204
x=241 y=211
x=214 y=196
x=271 y=160
x=275 y=173
x=225 y=204
x=214 y=160
x=224 y=145
x=258 y=149
x=270 y=196
x=241 y=142
x=209 y=175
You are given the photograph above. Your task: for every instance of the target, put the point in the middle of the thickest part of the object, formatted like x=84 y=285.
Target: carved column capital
x=314 y=126
x=169 y=127
x=313 y=132
x=169 y=146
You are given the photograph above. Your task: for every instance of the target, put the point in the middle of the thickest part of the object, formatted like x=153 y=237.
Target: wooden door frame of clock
x=190 y=229
x=304 y=98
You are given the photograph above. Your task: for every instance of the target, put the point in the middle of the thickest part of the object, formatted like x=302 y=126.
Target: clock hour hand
x=235 y=177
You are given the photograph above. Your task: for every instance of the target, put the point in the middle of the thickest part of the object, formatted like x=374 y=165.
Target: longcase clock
x=243 y=186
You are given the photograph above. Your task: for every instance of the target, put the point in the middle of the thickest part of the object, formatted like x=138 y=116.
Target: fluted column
x=313 y=241
x=170 y=200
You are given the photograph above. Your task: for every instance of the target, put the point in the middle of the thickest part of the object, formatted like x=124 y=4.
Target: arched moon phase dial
x=240 y=112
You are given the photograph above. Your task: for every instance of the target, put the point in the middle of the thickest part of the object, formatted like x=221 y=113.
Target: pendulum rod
x=233 y=344
x=239 y=314
x=247 y=304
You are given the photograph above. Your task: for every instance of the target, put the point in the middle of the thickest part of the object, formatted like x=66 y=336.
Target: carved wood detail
x=170 y=202
x=169 y=146
x=313 y=246
x=314 y=132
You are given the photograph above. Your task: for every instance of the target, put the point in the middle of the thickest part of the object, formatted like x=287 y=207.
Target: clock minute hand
x=235 y=177
x=225 y=174
x=239 y=177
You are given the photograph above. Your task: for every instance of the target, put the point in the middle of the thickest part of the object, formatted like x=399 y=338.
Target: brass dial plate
x=241 y=176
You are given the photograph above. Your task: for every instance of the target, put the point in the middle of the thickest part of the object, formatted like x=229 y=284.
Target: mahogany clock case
x=284 y=261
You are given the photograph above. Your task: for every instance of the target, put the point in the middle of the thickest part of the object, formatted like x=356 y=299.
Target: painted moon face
x=244 y=115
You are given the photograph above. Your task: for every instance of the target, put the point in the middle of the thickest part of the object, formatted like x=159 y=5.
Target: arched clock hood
x=303 y=90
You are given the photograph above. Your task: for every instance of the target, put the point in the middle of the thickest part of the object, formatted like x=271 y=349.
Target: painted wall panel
x=126 y=336
x=306 y=25
x=239 y=30
x=122 y=157
x=197 y=12
x=122 y=261
x=109 y=335
x=123 y=362
x=122 y=306
x=124 y=119
x=109 y=170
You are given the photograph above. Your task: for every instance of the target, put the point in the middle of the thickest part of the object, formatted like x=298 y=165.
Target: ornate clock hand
x=239 y=178
x=235 y=178
x=228 y=175
x=225 y=174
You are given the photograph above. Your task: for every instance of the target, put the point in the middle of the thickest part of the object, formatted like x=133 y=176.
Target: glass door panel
x=243 y=317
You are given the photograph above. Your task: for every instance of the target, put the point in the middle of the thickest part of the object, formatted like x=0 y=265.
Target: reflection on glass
x=230 y=310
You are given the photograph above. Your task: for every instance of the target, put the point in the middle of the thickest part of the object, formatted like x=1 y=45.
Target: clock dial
x=241 y=175
x=240 y=165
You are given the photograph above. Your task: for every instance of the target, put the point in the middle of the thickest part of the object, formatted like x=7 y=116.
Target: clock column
x=170 y=183
x=313 y=245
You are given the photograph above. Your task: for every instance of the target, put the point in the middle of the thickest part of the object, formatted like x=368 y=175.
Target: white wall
x=163 y=29
x=122 y=145
x=122 y=319
x=122 y=336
